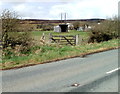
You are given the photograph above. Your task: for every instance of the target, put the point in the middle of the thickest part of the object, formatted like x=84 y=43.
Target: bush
x=18 y=38
x=76 y=25
x=15 y=34
x=45 y=27
x=105 y=31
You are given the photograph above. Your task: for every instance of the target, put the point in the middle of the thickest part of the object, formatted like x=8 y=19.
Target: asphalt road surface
x=93 y=73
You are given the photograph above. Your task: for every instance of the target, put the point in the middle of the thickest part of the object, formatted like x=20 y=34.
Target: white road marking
x=112 y=71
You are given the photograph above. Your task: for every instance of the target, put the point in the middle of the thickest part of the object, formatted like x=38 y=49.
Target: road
x=93 y=73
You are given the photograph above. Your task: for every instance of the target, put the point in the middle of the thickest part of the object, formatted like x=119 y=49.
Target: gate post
x=50 y=36
x=77 y=39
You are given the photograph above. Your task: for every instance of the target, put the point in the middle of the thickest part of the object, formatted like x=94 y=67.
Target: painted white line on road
x=112 y=71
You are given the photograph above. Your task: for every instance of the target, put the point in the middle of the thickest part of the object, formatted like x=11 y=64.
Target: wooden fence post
x=50 y=36
x=77 y=39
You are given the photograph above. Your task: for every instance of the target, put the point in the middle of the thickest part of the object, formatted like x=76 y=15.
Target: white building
x=57 y=29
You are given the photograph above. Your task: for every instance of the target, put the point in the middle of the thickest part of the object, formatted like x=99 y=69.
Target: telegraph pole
x=61 y=18
x=65 y=18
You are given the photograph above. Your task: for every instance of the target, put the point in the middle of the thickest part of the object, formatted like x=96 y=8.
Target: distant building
x=80 y=29
x=57 y=28
x=99 y=23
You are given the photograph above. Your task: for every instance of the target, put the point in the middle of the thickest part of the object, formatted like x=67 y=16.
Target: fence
x=64 y=39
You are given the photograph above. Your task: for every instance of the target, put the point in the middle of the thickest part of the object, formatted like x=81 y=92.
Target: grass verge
x=49 y=53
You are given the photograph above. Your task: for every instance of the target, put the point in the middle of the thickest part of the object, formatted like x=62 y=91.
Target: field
x=51 y=52
x=37 y=35
x=71 y=32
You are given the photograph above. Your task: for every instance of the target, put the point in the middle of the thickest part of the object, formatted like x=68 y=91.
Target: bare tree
x=9 y=24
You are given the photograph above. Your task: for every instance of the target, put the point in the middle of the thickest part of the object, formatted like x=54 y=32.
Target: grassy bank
x=47 y=53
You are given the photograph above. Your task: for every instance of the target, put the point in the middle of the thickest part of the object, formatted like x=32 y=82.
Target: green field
x=38 y=34
x=71 y=32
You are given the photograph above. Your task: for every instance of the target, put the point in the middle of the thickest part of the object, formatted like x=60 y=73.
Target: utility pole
x=61 y=18
x=63 y=25
x=65 y=18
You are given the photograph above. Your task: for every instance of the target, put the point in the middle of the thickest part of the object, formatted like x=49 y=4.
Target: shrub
x=105 y=31
x=18 y=38
x=76 y=25
x=15 y=34
x=45 y=27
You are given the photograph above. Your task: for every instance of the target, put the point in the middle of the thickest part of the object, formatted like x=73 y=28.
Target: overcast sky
x=51 y=9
